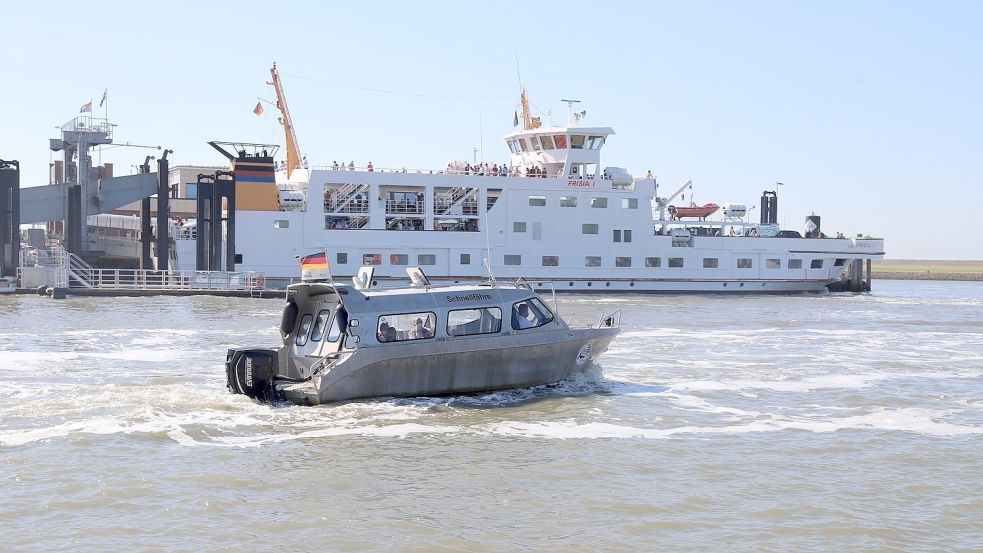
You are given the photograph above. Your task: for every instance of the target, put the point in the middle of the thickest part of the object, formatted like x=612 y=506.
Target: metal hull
x=476 y=364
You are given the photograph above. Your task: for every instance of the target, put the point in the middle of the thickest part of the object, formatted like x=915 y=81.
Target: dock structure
x=9 y=217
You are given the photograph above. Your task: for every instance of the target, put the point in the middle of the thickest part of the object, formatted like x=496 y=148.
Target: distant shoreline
x=925 y=269
x=924 y=275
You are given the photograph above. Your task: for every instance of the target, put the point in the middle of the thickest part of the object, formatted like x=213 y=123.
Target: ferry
x=553 y=214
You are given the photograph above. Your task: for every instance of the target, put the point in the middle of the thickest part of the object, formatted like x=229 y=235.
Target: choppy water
x=785 y=423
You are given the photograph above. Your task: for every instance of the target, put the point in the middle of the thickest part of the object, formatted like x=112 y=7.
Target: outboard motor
x=251 y=372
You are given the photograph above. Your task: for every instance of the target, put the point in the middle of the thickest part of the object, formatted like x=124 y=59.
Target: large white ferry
x=554 y=214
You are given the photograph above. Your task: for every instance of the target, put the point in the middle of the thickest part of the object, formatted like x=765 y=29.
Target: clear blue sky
x=871 y=113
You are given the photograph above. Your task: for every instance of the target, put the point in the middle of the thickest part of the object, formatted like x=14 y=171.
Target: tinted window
x=399 y=259
x=320 y=324
x=305 y=327
x=794 y=263
x=653 y=261
x=817 y=264
x=773 y=263
x=568 y=201
x=592 y=261
x=551 y=261
x=513 y=260
x=405 y=326
x=465 y=259
x=675 y=261
x=342 y=258
x=577 y=141
x=744 y=262
x=518 y=226
x=629 y=203
x=426 y=259
x=589 y=228
x=468 y=322
x=547 y=142
x=710 y=262
x=622 y=262
x=598 y=202
x=537 y=201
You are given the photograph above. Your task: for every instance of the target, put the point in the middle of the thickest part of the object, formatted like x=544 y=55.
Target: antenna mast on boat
x=293 y=149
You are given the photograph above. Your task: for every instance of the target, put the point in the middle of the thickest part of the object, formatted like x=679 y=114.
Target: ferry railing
x=402 y=207
x=148 y=279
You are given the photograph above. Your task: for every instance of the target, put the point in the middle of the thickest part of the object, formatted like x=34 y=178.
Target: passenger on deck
x=369 y=167
x=351 y=165
x=334 y=165
x=648 y=175
x=305 y=161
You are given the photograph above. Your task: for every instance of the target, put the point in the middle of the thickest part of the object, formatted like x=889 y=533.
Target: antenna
x=571 y=116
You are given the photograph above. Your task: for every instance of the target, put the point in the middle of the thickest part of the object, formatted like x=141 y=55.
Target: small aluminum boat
x=343 y=342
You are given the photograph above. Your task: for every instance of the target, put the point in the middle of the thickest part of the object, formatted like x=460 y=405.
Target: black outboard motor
x=251 y=372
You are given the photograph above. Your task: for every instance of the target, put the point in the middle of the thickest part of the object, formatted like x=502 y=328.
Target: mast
x=526 y=123
x=293 y=149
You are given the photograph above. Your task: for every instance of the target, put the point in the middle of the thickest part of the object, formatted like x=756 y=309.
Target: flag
x=315 y=261
x=87 y=108
x=103 y=101
x=258 y=110
x=515 y=120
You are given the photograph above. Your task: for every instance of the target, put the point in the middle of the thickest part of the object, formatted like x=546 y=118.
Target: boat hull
x=455 y=366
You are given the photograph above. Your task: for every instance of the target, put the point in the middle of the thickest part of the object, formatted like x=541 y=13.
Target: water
x=788 y=423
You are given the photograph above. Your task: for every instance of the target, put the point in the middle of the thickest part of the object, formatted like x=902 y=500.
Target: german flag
x=316 y=261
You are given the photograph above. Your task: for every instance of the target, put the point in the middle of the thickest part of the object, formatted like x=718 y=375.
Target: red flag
x=258 y=110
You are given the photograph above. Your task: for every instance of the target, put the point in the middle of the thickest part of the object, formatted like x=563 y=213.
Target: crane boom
x=293 y=149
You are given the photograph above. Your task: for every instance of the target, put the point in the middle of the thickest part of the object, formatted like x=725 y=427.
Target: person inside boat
x=522 y=318
x=382 y=334
x=419 y=331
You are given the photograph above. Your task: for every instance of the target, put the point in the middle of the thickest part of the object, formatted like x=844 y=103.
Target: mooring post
x=163 y=213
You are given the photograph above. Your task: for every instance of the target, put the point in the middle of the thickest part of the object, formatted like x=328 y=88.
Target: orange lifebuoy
x=260 y=281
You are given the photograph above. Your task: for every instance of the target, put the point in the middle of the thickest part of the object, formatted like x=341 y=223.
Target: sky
x=869 y=113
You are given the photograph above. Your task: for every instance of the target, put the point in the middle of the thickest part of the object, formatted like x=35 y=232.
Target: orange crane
x=293 y=149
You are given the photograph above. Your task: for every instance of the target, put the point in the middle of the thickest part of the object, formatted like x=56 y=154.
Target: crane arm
x=688 y=184
x=293 y=149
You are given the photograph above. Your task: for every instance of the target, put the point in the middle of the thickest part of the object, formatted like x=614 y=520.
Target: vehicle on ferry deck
x=343 y=342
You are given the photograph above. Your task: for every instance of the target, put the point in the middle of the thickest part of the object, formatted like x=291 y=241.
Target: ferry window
x=334 y=332
x=617 y=235
x=561 y=141
x=577 y=141
x=653 y=261
x=511 y=146
x=710 y=262
x=589 y=228
x=817 y=264
x=518 y=226
x=405 y=326
x=191 y=190
x=522 y=145
x=547 y=142
x=627 y=235
x=341 y=258
x=399 y=259
x=465 y=259
x=281 y=223
x=468 y=322
x=568 y=201
x=551 y=261
x=675 y=261
x=595 y=142
x=598 y=202
x=513 y=260
x=320 y=324
x=426 y=259
x=592 y=261
x=839 y=262
x=622 y=262
x=794 y=263
x=773 y=263
x=530 y=314
x=537 y=201
x=629 y=203
x=535 y=143
x=372 y=259
x=746 y=263
x=305 y=327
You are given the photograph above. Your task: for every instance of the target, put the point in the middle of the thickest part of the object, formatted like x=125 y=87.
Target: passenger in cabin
x=381 y=334
x=391 y=334
x=419 y=331
x=369 y=167
x=522 y=319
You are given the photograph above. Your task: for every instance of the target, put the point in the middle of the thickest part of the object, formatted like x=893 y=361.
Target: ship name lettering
x=469 y=297
x=576 y=183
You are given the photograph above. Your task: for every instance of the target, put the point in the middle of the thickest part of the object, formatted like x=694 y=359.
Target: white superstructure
x=554 y=214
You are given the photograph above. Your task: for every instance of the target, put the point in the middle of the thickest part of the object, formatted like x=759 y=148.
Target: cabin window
x=746 y=263
x=617 y=235
x=530 y=313
x=773 y=264
x=522 y=145
x=535 y=143
x=598 y=202
x=465 y=259
x=589 y=228
x=629 y=203
x=816 y=264
x=405 y=326
x=426 y=259
x=622 y=262
x=568 y=201
x=710 y=262
x=513 y=260
x=592 y=261
x=561 y=141
x=281 y=223
x=470 y=322
x=577 y=141
x=676 y=262
x=794 y=263
x=320 y=324
x=399 y=259
x=547 y=142
x=305 y=327
x=653 y=261
x=511 y=146
x=839 y=262
x=537 y=201
x=518 y=226
x=595 y=142
x=627 y=235
x=341 y=258
x=551 y=261
x=372 y=259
